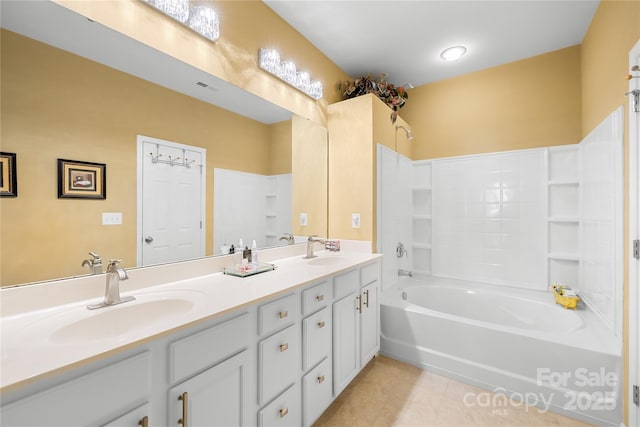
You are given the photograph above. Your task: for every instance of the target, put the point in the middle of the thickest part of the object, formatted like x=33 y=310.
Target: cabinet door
x=139 y=417
x=215 y=397
x=278 y=362
x=346 y=322
x=369 y=323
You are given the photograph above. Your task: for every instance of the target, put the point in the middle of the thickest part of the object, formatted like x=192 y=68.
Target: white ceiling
x=404 y=38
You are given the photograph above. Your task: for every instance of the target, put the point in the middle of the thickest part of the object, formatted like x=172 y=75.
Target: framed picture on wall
x=81 y=180
x=8 y=175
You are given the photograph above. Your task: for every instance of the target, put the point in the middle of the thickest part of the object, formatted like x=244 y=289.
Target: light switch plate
x=111 y=218
x=355 y=220
x=303 y=219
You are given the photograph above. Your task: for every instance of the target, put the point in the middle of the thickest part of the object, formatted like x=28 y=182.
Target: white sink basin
x=111 y=322
x=331 y=260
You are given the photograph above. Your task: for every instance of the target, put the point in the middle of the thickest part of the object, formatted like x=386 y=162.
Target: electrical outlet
x=303 y=219
x=355 y=220
x=111 y=218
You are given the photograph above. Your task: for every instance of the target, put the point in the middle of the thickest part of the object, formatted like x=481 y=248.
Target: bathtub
x=514 y=342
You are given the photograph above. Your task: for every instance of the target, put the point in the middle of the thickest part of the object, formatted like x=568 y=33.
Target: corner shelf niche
x=563 y=220
x=421 y=208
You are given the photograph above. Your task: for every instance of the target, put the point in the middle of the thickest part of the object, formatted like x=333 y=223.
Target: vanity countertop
x=51 y=339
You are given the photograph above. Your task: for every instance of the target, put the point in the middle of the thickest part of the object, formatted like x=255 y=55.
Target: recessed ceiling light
x=453 y=53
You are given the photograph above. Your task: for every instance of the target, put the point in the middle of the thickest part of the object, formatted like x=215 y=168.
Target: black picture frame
x=8 y=175
x=81 y=180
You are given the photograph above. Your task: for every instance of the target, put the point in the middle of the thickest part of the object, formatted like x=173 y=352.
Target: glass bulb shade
x=453 y=53
x=302 y=81
x=204 y=20
x=288 y=72
x=315 y=89
x=270 y=61
x=177 y=9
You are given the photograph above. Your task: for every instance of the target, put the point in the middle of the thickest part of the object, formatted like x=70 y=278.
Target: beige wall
x=525 y=104
x=614 y=30
x=81 y=110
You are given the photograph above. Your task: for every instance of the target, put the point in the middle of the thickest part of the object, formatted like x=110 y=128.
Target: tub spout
x=402 y=272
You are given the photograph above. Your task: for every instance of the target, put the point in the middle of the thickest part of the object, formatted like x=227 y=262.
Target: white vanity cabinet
x=105 y=396
x=273 y=361
x=215 y=362
x=356 y=323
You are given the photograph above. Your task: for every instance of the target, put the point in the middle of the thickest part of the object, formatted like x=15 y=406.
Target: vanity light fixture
x=453 y=53
x=201 y=19
x=269 y=60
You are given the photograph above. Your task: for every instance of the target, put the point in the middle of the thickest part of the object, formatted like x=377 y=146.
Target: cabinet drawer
x=100 y=395
x=283 y=411
x=276 y=315
x=368 y=274
x=278 y=362
x=316 y=338
x=316 y=392
x=198 y=351
x=345 y=284
x=316 y=297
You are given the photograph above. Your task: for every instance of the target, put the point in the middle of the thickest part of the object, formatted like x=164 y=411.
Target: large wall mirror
x=74 y=89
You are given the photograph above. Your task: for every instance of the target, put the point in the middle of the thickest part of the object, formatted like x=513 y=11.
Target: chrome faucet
x=310 y=241
x=402 y=272
x=288 y=237
x=112 y=291
x=94 y=264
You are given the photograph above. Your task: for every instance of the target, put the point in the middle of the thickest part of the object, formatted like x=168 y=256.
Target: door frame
x=634 y=233
x=140 y=140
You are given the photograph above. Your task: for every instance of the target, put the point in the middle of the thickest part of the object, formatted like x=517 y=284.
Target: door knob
x=148 y=239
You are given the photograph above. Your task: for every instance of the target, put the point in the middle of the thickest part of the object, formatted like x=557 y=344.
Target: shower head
x=407 y=131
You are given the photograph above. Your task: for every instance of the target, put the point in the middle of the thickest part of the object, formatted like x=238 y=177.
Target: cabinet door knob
x=284 y=412
x=284 y=347
x=320 y=379
x=283 y=314
x=184 y=397
x=319 y=297
x=144 y=422
x=321 y=324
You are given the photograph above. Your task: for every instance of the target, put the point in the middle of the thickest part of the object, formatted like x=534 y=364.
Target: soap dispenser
x=254 y=253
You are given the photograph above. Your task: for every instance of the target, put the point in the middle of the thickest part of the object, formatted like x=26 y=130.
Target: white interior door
x=171 y=201
x=634 y=234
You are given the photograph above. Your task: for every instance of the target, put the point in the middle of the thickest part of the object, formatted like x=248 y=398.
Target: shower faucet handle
x=401 y=251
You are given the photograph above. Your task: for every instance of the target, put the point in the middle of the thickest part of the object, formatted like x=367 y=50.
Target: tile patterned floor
x=389 y=393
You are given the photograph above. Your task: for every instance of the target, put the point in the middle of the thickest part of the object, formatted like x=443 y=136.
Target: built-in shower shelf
x=421 y=216
x=564 y=182
x=563 y=219
x=421 y=188
x=421 y=245
x=564 y=256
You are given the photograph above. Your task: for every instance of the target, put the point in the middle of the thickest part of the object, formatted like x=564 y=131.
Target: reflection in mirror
x=56 y=104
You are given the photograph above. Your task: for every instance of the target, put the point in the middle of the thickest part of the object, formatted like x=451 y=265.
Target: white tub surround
x=191 y=328
x=515 y=342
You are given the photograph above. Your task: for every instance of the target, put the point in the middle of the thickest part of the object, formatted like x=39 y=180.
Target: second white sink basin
x=110 y=322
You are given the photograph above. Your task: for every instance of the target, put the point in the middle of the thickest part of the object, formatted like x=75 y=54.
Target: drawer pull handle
x=321 y=324
x=144 y=422
x=320 y=379
x=359 y=306
x=284 y=347
x=366 y=303
x=284 y=412
x=184 y=397
x=283 y=314
x=319 y=297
